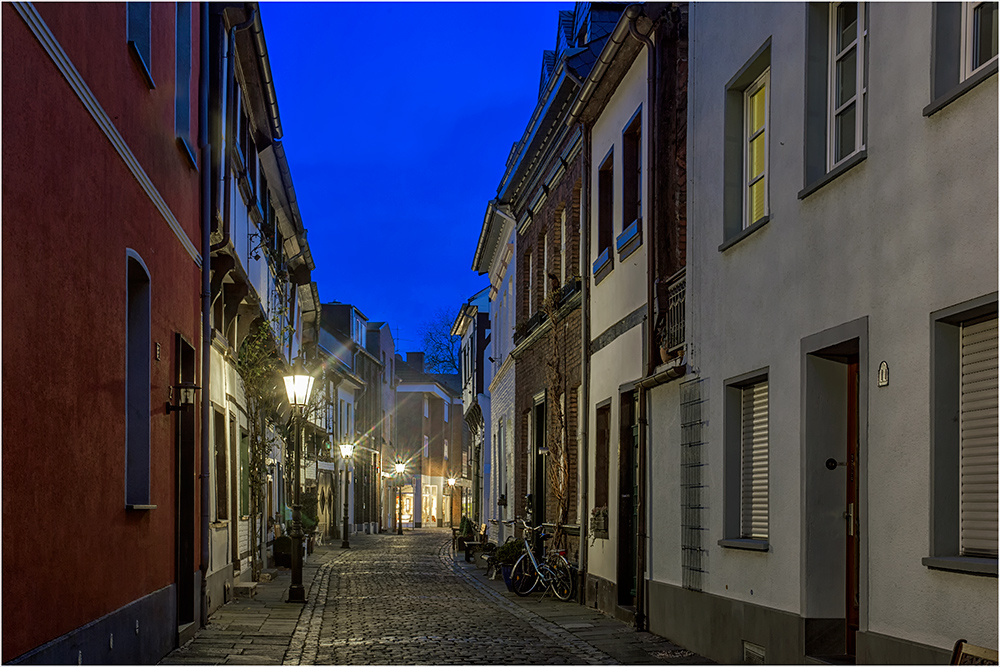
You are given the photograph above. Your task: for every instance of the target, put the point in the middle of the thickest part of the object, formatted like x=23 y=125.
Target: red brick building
x=102 y=271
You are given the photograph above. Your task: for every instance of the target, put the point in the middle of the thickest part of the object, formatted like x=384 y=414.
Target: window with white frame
x=446 y=410
x=979 y=36
x=755 y=147
x=427 y=446
x=847 y=126
x=427 y=409
x=446 y=448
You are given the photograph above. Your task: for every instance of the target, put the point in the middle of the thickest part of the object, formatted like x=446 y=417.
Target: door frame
x=825 y=359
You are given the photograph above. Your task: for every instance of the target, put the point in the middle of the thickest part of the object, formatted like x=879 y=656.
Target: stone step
x=245 y=589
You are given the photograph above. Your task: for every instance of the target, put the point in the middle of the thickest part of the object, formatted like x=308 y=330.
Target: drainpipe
x=230 y=118
x=633 y=12
x=206 y=292
x=584 y=462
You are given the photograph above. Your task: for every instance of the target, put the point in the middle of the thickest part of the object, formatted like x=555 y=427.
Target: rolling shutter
x=755 y=468
x=979 y=439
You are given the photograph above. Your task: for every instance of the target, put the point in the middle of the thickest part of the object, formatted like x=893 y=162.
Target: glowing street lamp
x=298 y=386
x=347 y=451
x=400 y=469
x=451 y=501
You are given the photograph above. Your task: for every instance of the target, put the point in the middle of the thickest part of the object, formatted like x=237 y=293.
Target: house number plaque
x=883 y=374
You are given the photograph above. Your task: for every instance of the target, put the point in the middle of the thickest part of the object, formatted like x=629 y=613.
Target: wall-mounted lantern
x=185 y=396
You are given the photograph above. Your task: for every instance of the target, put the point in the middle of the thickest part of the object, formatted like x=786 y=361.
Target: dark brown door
x=852 y=514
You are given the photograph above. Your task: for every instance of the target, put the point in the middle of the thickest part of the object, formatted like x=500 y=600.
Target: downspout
x=584 y=462
x=633 y=12
x=226 y=157
x=206 y=294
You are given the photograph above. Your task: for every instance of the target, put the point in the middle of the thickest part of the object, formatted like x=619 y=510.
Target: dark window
x=137 y=383
x=602 y=453
x=138 y=36
x=244 y=473
x=221 y=504
x=632 y=171
x=605 y=203
x=182 y=79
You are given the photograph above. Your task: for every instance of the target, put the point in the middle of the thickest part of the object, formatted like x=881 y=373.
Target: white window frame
x=860 y=97
x=427 y=410
x=969 y=41
x=427 y=447
x=763 y=81
x=446 y=448
x=446 y=411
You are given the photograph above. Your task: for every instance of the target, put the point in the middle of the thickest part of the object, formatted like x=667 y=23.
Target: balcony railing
x=675 y=311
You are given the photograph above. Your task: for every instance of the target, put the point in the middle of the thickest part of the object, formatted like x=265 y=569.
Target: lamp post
x=400 y=469
x=347 y=451
x=451 y=501
x=298 y=386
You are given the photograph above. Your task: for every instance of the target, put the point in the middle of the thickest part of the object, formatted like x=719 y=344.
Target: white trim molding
x=64 y=64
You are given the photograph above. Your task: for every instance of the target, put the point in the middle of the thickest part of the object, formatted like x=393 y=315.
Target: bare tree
x=441 y=349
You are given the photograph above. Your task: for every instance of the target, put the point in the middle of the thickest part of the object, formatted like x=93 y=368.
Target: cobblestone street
x=404 y=600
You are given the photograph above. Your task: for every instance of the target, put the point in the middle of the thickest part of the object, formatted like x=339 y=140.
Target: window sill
x=745 y=544
x=841 y=168
x=629 y=240
x=961 y=89
x=985 y=567
x=188 y=153
x=603 y=266
x=143 y=66
x=140 y=508
x=729 y=243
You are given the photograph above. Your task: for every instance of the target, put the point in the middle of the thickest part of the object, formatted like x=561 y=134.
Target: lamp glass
x=187 y=395
x=451 y=481
x=347 y=450
x=400 y=468
x=298 y=388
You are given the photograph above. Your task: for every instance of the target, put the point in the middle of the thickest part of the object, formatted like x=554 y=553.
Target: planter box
x=505 y=570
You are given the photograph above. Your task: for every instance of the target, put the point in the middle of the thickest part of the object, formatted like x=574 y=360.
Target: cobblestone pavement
x=405 y=600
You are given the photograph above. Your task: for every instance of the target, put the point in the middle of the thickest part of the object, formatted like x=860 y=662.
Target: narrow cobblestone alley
x=403 y=600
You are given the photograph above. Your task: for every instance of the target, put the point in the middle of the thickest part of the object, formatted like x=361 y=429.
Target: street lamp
x=347 y=451
x=298 y=386
x=400 y=469
x=451 y=501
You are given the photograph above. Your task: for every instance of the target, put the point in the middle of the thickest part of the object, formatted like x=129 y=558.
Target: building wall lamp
x=185 y=396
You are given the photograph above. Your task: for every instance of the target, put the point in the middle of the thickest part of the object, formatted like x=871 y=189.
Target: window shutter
x=979 y=439
x=755 y=462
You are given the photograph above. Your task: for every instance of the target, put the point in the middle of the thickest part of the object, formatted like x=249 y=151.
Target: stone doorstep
x=246 y=589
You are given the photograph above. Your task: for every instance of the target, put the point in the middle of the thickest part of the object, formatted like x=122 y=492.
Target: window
x=531 y=282
x=139 y=38
x=745 y=205
x=979 y=36
x=605 y=217
x=964 y=438
x=138 y=357
x=631 y=236
x=545 y=266
x=427 y=446
x=182 y=78
x=427 y=410
x=755 y=147
x=244 y=473
x=384 y=369
x=848 y=76
x=446 y=406
x=221 y=498
x=446 y=448
x=562 y=247
x=747 y=462
x=602 y=454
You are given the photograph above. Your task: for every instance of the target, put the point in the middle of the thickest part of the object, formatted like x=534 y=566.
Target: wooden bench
x=477 y=544
x=965 y=653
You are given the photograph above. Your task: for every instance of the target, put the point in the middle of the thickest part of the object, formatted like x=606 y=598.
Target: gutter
x=229 y=133
x=584 y=461
x=615 y=41
x=206 y=296
x=265 y=73
x=633 y=12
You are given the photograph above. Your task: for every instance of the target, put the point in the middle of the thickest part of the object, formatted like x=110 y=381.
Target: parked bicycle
x=552 y=572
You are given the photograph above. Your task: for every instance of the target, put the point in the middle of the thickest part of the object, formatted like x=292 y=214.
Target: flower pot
x=505 y=570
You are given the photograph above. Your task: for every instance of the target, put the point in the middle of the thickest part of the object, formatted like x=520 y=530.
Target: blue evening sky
x=398 y=119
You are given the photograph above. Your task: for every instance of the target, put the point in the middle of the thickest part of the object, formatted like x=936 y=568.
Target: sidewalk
x=608 y=635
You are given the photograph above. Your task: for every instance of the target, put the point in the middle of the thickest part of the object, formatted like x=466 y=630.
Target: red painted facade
x=72 y=552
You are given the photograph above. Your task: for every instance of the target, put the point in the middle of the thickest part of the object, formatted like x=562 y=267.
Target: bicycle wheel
x=524 y=577
x=562 y=583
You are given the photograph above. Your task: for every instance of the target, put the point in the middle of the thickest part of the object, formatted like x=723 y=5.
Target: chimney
x=415 y=360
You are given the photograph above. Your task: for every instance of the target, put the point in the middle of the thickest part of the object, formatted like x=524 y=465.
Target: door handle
x=849 y=515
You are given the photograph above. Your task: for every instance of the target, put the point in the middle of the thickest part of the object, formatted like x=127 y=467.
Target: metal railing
x=675 y=311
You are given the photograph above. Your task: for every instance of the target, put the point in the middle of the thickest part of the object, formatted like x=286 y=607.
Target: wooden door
x=852 y=513
x=628 y=496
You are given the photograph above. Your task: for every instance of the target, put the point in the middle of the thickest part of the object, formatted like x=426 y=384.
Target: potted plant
x=506 y=555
